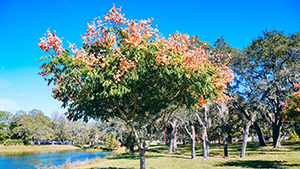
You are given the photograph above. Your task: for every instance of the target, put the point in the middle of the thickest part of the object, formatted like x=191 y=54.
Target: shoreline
x=34 y=148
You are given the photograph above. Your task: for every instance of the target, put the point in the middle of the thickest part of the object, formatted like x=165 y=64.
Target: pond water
x=29 y=160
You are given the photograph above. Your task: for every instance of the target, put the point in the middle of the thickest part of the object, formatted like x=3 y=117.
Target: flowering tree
x=292 y=106
x=127 y=69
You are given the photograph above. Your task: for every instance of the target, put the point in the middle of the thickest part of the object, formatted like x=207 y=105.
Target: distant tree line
x=35 y=126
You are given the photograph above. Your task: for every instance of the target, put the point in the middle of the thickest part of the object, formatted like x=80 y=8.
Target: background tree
x=111 y=142
x=3 y=131
x=292 y=110
x=40 y=128
x=204 y=126
x=128 y=70
x=246 y=133
x=118 y=127
x=187 y=118
x=129 y=142
x=269 y=69
x=20 y=125
x=61 y=127
x=223 y=113
x=235 y=89
x=173 y=123
x=292 y=106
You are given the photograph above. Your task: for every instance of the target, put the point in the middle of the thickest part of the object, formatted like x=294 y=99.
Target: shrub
x=79 y=144
x=13 y=142
x=294 y=136
x=112 y=142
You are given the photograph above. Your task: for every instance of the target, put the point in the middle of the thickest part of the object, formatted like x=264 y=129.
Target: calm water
x=29 y=160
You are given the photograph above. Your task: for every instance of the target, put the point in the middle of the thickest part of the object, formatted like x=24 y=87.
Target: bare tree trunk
x=256 y=126
x=173 y=137
x=183 y=139
x=259 y=134
x=142 y=159
x=205 y=144
x=223 y=111
x=192 y=135
x=245 y=138
x=205 y=141
x=230 y=138
x=193 y=142
x=207 y=147
x=276 y=135
x=224 y=137
x=204 y=147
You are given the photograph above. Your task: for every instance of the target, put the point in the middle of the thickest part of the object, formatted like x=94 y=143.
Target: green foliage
x=61 y=127
x=266 y=71
x=3 y=131
x=129 y=142
x=268 y=68
x=79 y=144
x=294 y=136
x=2 y=125
x=111 y=142
x=10 y=142
x=33 y=126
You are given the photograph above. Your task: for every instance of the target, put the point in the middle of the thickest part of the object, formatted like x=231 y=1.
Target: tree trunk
x=142 y=159
x=207 y=147
x=183 y=139
x=245 y=138
x=256 y=126
x=276 y=135
x=224 y=137
x=192 y=136
x=131 y=148
x=121 y=139
x=193 y=142
x=259 y=134
x=173 y=142
x=230 y=138
x=204 y=147
x=204 y=143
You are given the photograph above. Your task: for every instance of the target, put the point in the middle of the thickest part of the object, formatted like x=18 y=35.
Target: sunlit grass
x=157 y=156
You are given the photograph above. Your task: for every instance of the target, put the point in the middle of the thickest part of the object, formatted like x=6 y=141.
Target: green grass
x=157 y=156
x=33 y=148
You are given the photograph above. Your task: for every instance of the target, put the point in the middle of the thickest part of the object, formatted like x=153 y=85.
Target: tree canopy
x=127 y=69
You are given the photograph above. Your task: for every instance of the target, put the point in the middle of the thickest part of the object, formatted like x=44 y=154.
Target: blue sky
x=22 y=23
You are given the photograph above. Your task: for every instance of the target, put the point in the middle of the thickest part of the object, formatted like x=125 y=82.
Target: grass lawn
x=157 y=156
x=32 y=148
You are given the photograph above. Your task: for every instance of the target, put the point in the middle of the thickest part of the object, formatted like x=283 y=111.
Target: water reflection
x=29 y=160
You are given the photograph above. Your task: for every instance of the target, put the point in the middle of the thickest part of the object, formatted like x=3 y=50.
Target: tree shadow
x=136 y=156
x=295 y=148
x=257 y=164
x=132 y=156
x=290 y=143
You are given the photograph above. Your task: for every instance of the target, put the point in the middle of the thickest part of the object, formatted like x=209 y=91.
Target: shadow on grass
x=156 y=151
x=289 y=143
x=257 y=164
x=137 y=157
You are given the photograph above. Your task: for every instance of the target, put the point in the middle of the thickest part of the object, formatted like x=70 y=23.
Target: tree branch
x=135 y=102
x=120 y=111
x=187 y=130
x=163 y=127
x=199 y=119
